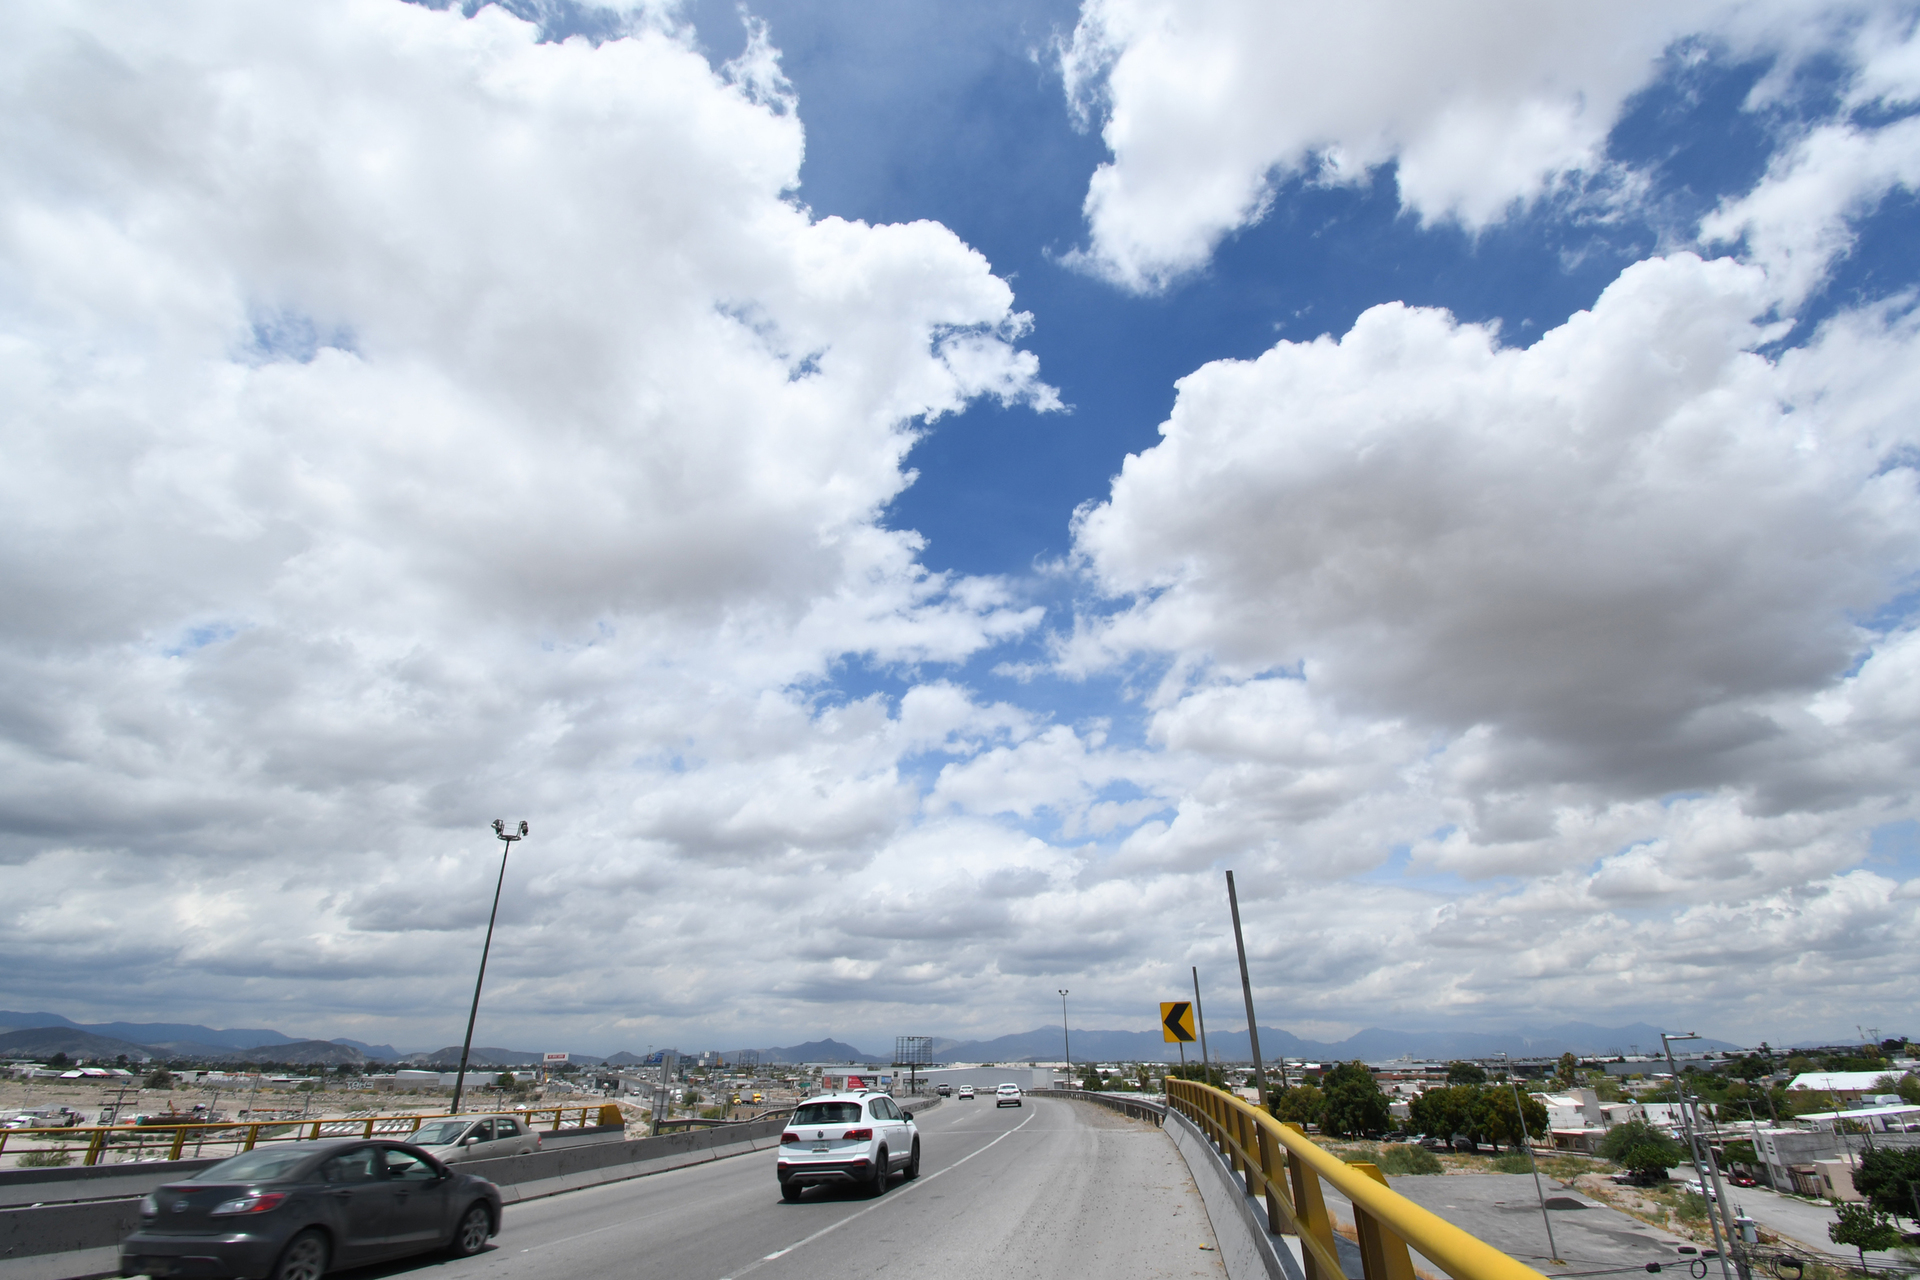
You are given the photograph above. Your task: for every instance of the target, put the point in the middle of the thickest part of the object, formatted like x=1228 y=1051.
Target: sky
x=901 y=497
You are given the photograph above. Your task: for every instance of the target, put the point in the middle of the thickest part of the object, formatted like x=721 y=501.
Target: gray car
x=297 y=1210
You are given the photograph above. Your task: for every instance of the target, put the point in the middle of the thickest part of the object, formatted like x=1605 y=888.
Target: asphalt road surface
x=1053 y=1188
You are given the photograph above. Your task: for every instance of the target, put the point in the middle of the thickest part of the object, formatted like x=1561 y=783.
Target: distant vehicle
x=1742 y=1180
x=297 y=1210
x=40 y=1118
x=759 y=1098
x=944 y=1090
x=476 y=1138
x=853 y=1139
x=1007 y=1095
x=966 y=1093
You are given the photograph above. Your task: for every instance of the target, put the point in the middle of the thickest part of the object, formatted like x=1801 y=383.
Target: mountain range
x=41 y=1035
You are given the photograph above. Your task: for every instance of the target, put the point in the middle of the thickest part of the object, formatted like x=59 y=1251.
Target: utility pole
x=1693 y=1148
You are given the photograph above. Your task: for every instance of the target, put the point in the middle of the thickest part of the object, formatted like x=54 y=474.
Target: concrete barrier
x=1126 y=1104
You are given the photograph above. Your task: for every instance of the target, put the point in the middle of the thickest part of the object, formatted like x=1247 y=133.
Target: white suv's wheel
x=881 y=1173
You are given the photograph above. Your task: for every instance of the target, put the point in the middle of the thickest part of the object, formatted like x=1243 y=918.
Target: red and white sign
x=558 y=1057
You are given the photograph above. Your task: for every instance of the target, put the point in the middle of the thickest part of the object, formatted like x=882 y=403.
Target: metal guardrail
x=141 y=1138
x=1281 y=1162
x=1138 y=1108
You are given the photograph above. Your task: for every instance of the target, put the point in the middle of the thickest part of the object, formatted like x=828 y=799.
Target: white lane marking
x=893 y=1199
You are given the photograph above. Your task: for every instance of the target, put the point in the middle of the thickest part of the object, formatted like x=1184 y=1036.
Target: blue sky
x=1451 y=466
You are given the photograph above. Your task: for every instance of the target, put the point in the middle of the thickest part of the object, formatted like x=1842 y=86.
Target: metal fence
x=1281 y=1162
x=113 y=1144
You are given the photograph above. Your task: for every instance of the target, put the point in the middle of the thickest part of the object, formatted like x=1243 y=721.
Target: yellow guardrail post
x=1272 y=1171
x=96 y=1147
x=1311 y=1218
x=253 y=1136
x=1383 y=1254
x=179 y=1142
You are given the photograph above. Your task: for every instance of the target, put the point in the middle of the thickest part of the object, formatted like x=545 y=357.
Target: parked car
x=476 y=1137
x=966 y=1093
x=297 y=1210
x=853 y=1139
x=1007 y=1095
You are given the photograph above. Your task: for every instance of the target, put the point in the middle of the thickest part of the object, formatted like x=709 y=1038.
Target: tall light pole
x=1520 y=1110
x=507 y=836
x=1065 y=1042
x=1246 y=989
x=1707 y=1187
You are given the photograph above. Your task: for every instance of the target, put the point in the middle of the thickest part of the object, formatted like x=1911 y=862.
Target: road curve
x=1054 y=1188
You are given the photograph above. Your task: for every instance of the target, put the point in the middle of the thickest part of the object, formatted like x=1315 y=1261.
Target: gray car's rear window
x=827 y=1113
x=264 y=1165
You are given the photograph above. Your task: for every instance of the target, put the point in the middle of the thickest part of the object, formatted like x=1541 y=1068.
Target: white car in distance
x=852 y=1139
x=459 y=1138
x=1007 y=1095
x=966 y=1093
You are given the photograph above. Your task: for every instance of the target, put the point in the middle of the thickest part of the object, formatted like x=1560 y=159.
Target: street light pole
x=1246 y=989
x=1065 y=1042
x=1693 y=1149
x=507 y=836
x=1520 y=1112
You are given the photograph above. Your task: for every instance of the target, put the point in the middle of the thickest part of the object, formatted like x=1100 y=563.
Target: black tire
x=790 y=1191
x=913 y=1162
x=304 y=1258
x=881 y=1174
x=471 y=1232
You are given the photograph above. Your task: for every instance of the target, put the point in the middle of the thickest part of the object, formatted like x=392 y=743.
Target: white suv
x=1007 y=1095
x=849 y=1138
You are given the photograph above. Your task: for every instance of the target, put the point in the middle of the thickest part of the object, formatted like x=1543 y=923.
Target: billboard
x=557 y=1057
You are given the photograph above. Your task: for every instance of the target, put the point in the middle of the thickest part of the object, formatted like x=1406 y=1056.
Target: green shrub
x=1512 y=1162
x=45 y=1159
x=1401 y=1158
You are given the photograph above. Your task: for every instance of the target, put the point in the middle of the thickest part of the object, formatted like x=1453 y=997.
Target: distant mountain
x=151 y=1032
x=819 y=1051
x=478 y=1056
x=40 y=1043
x=373 y=1052
x=625 y=1059
x=1371 y=1045
x=309 y=1053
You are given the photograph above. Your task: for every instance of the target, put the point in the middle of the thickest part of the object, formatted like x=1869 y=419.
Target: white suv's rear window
x=827 y=1113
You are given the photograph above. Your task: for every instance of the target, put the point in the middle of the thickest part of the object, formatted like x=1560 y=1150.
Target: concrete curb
x=1247 y=1249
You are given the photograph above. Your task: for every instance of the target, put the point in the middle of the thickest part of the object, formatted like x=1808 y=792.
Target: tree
x=1354 y=1103
x=160 y=1079
x=1566 y=1070
x=58 y=1060
x=1501 y=1122
x=1890 y=1180
x=1303 y=1104
x=1641 y=1149
x=1864 y=1227
x=505 y=1080
x=1457 y=1110
x=1205 y=1073
x=1466 y=1073
x=1091 y=1082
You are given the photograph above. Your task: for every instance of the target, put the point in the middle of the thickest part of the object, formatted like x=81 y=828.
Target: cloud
x=1483 y=107
x=1571 y=641
x=411 y=422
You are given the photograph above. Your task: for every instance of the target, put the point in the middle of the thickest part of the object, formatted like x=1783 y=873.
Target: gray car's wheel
x=881 y=1173
x=913 y=1162
x=470 y=1237
x=790 y=1191
x=304 y=1258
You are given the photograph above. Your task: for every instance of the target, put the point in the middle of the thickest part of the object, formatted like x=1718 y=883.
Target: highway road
x=1054 y=1188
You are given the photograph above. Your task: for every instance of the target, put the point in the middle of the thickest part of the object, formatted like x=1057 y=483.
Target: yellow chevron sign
x=1176 y=1021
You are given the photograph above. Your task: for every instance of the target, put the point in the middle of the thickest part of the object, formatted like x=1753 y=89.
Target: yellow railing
x=173 y=1138
x=1281 y=1162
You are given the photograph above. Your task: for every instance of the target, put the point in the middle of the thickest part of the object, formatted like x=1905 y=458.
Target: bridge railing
x=1279 y=1161
x=165 y=1141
